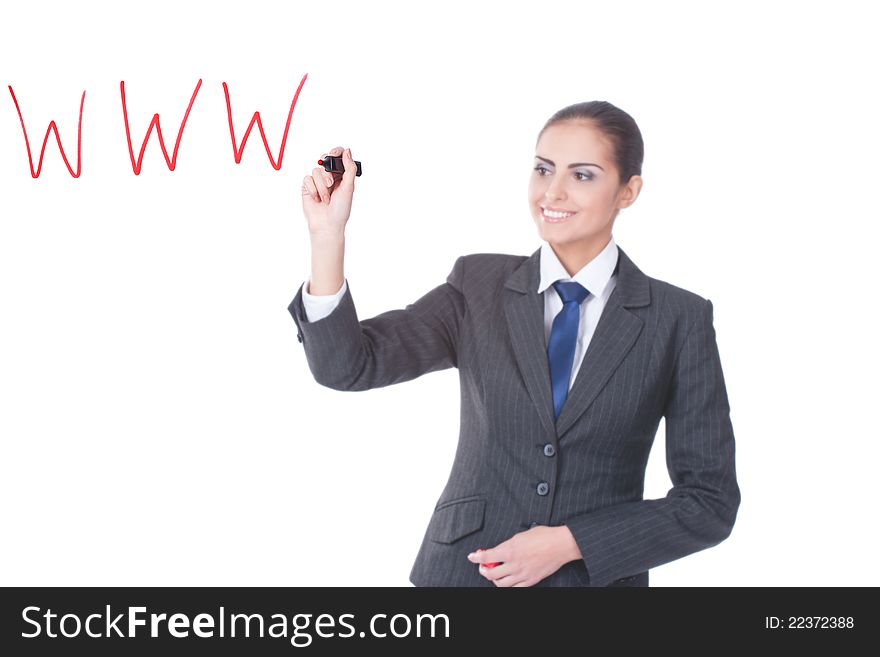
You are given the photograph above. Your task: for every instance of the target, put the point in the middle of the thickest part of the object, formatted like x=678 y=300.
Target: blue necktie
x=563 y=338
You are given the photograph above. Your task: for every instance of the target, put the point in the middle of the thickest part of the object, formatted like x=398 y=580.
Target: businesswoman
x=568 y=359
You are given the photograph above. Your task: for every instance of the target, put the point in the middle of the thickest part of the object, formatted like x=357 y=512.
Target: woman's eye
x=579 y=175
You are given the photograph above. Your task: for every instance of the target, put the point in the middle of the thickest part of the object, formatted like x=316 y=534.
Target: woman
x=567 y=360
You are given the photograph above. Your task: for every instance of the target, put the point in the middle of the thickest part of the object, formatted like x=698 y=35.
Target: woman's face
x=576 y=181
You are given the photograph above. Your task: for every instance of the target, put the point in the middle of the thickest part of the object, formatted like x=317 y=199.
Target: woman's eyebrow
x=570 y=166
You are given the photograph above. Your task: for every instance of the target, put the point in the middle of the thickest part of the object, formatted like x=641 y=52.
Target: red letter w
x=52 y=126
x=136 y=166
x=237 y=152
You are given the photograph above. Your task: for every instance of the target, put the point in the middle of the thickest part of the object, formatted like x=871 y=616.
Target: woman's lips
x=556 y=217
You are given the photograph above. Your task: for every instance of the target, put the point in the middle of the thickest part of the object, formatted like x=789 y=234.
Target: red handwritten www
x=237 y=150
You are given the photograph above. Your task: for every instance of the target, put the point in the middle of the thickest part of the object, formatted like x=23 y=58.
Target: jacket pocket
x=456 y=519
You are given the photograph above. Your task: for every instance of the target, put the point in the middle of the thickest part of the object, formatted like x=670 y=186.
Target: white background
x=159 y=423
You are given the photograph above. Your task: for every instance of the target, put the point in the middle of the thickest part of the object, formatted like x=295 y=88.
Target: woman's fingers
x=319 y=177
x=335 y=176
x=310 y=190
x=320 y=184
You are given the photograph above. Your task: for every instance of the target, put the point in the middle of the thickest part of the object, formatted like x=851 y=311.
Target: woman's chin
x=548 y=230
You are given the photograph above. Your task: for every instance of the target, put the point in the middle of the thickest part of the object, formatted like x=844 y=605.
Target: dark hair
x=628 y=149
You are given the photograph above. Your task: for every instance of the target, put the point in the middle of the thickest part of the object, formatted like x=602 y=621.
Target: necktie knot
x=571 y=291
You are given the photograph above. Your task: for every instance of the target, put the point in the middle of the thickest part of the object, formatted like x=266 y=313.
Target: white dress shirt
x=318 y=306
x=599 y=279
x=597 y=276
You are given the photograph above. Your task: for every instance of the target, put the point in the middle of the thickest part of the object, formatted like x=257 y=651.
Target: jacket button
x=543 y=488
x=549 y=449
x=533 y=524
x=299 y=336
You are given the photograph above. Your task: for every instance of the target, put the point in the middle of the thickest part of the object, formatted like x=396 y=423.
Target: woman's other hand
x=528 y=557
x=327 y=196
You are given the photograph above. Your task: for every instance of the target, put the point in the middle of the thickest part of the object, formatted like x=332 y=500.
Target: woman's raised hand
x=327 y=196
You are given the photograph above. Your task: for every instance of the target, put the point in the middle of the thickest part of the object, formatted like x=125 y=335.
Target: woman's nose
x=555 y=191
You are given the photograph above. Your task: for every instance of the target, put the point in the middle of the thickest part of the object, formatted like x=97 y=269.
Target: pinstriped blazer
x=653 y=355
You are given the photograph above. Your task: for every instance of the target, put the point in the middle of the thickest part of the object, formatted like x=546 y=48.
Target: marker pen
x=491 y=564
x=334 y=165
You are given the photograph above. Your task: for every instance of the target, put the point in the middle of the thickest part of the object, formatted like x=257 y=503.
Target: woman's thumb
x=350 y=169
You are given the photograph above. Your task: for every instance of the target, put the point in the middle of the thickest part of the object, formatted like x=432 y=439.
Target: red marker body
x=492 y=564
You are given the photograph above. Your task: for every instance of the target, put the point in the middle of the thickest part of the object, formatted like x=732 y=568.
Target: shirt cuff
x=318 y=306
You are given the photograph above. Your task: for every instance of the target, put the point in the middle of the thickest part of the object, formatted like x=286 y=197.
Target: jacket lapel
x=524 y=309
x=614 y=336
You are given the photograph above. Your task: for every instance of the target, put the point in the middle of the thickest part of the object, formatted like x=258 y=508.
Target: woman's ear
x=630 y=192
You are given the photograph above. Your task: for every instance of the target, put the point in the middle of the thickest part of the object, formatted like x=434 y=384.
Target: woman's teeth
x=552 y=216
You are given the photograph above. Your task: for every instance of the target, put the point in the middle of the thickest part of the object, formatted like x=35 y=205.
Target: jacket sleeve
x=345 y=353
x=319 y=306
x=700 y=509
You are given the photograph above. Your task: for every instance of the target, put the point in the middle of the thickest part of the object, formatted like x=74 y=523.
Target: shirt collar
x=594 y=275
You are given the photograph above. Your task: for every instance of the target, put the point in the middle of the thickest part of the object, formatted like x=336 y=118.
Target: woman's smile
x=555 y=216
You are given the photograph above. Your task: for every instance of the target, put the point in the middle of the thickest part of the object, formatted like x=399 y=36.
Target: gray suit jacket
x=653 y=355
